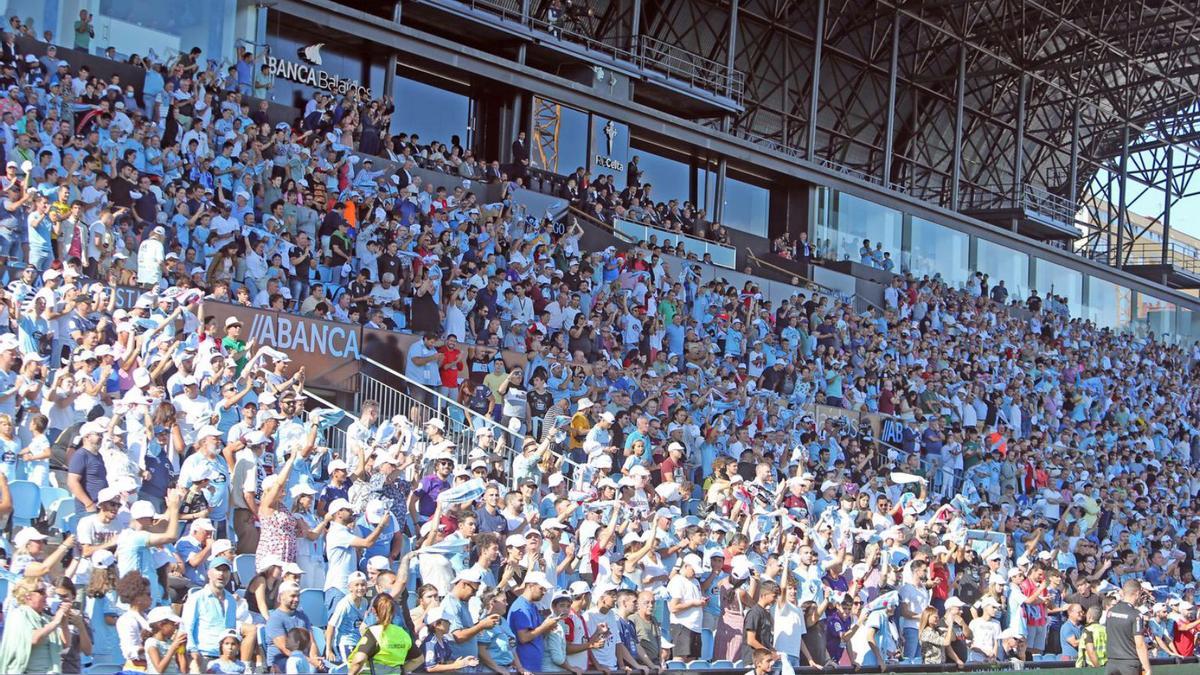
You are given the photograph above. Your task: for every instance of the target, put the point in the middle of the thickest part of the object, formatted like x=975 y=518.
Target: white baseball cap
x=142 y=509
x=340 y=504
x=162 y=614
x=26 y=535
x=539 y=579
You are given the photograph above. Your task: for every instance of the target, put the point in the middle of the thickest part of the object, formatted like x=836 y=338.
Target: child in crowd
x=229 y=663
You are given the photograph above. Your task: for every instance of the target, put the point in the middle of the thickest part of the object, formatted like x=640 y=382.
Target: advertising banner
x=328 y=350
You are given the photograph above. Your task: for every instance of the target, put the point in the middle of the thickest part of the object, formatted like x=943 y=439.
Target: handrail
x=815 y=286
x=596 y=221
x=484 y=420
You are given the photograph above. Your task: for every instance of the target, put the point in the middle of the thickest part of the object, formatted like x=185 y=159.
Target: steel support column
x=890 y=123
x=635 y=26
x=524 y=12
x=814 y=98
x=1073 y=169
x=1167 y=198
x=1122 y=179
x=731 y=48
x=959 y=95
x=719 y=190
x=1019 y=149
x=389 y=75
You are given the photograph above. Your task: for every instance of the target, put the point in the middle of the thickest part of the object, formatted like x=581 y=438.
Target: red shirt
x=941 y=574
x=450 y=367
x=1185 y=641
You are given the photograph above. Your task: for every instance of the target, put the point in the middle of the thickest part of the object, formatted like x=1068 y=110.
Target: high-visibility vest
x=394 y=645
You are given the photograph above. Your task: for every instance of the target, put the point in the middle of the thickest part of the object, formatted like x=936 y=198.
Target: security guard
x=1127 y=653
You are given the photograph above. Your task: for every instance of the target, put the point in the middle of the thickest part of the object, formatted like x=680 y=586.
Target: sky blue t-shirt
x=134 y=555
x=459 y=616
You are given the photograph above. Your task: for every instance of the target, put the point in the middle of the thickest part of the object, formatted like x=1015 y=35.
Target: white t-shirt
x=682 y=588
x=789 y=629
x=606 y=654
x=915 y=600
x=985 y=634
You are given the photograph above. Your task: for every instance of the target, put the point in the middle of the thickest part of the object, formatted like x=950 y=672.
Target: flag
x=463 y=494
x=884 y=601
x=785 y=665
x=327 y=418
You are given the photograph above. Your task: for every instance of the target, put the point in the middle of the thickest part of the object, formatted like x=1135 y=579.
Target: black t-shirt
x=760 y=621
x=539 y=403
x=1124 y=625
x=1092 y=600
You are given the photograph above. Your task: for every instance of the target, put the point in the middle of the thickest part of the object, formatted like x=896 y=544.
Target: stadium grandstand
x=599 y=336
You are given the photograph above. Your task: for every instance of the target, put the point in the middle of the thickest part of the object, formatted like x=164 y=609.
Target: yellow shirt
x=580 y=425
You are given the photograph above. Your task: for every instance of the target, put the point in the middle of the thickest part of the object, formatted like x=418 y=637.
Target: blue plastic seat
x=60 y=511
x=312 y=603
x=50 y=496
x=244 y=566
x=27 y=502
x=722 y=663
x=676 y=664
x=698 y=664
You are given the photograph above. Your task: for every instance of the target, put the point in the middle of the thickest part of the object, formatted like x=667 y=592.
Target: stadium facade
x=1007 y=137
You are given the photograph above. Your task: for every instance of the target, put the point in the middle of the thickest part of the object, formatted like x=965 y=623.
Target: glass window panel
x=166 y=26
x=1108 y=305
x=1062 y=281
x=433 y=113
x=1001 y=263
x=1154 y=315
x=851 y=220
x=669 y=177
x=746 y=207
x=560 y=137
x=937 y=249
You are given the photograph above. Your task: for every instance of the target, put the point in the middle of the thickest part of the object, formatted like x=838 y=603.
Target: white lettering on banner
x=609 y=163
x=318 y=79
x=300 y=335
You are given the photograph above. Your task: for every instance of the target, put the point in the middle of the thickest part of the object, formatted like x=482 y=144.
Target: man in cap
x=686 y=608
x=134 y=546
x=209 y=611
x=525 y=620
x=464 y=630
x=208 y=455
x=341 y=547
x=99 y=530
x=150 y=256
x=86 y=472
x=194 y=550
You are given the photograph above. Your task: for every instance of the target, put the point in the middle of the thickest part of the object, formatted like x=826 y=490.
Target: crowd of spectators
x=646 y=481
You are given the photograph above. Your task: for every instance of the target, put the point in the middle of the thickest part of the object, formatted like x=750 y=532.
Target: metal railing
x=699 y=72
x=642 y=52
x=461 y=422
x=1183 y=258
x=1029 y=198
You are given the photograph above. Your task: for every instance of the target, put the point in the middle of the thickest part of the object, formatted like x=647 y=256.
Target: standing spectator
x=84 y=31
x=686 y=608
